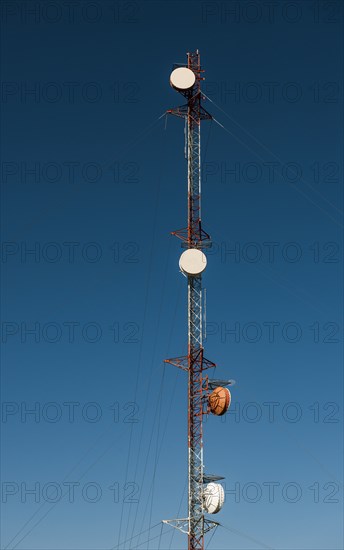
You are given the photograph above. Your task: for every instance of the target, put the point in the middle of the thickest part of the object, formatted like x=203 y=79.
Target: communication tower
x=205 y=495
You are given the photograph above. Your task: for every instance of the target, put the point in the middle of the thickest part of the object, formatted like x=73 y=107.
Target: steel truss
x=194 y=363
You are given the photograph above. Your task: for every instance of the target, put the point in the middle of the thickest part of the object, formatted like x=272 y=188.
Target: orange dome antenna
x=219 y=401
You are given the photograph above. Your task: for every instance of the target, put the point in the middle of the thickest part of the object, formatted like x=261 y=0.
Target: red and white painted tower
x=204 y=494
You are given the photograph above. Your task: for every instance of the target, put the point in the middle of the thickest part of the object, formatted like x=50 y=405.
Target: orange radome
x=219 y=401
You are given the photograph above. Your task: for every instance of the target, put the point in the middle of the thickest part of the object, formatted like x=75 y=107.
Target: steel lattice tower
x=194 y=363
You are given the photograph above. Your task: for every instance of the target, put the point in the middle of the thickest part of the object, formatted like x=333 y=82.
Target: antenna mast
x=203 y=497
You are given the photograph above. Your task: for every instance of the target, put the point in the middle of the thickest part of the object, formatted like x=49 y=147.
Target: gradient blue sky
x=104 y=292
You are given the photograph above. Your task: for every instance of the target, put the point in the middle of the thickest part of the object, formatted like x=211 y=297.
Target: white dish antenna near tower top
x=192 y=261
x=214 y=498
x=182 y=78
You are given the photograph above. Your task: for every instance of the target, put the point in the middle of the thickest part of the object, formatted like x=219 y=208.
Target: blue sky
x=93 y=181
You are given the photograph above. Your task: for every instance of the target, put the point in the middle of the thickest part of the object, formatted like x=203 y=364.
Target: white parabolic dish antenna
x=182 y=78
x=192 y=261
x=214 y=498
